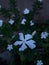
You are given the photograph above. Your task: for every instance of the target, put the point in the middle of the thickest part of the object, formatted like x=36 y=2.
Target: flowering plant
x=24 y=37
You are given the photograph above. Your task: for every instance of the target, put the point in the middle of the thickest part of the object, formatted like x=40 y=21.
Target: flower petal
x=31 y=44
x=31 y=23
x=23 y=47
x=34 y=32
x=28 y=36
x=1 y=23
x=21 y=37
x=23 y=21
x=18 y=43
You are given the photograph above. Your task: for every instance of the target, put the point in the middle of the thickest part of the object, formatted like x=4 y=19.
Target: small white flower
x=44 y=35
x=1 y=23
x=1 y=35
x=26 y=11
x=9 y=47
x=23 y=21
x=33 y=33
x=27 y=41
x=31 y=23
x=11 y=21
x=39 y=62
x=40 y=0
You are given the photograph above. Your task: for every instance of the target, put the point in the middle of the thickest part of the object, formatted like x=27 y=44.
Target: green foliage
x=12 y=30
x=3 y=44
x=5 y=13
x=6 y=30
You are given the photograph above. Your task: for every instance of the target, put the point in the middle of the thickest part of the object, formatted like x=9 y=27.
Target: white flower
x=9 y=47
x=31 y=23
x=11 y=21
x=44 y=35
x=23 y=21
x=33 y=33
x=1 y=35
x=1 y=23
x=39 y=62
x=40 y=0
x=26 y=11
x=27 y=41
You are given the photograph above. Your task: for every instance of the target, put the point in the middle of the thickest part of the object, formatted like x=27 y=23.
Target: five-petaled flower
x=9 y=47
x=26 y=11
x=11 y=21
x=44 y=35
x=39 y=62
x=27 y=41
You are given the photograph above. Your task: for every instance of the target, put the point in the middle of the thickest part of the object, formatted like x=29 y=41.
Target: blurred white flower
x=40 y=0
x=24 y=42
x=11 y=21
x=23 y=21
x=9 y=47
x=13 y=36
x=44 y=35
x=39 y=62
x=26 y=11
x=31 y=23
x=1 y=23
x=1 y=35
x=0 y=6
